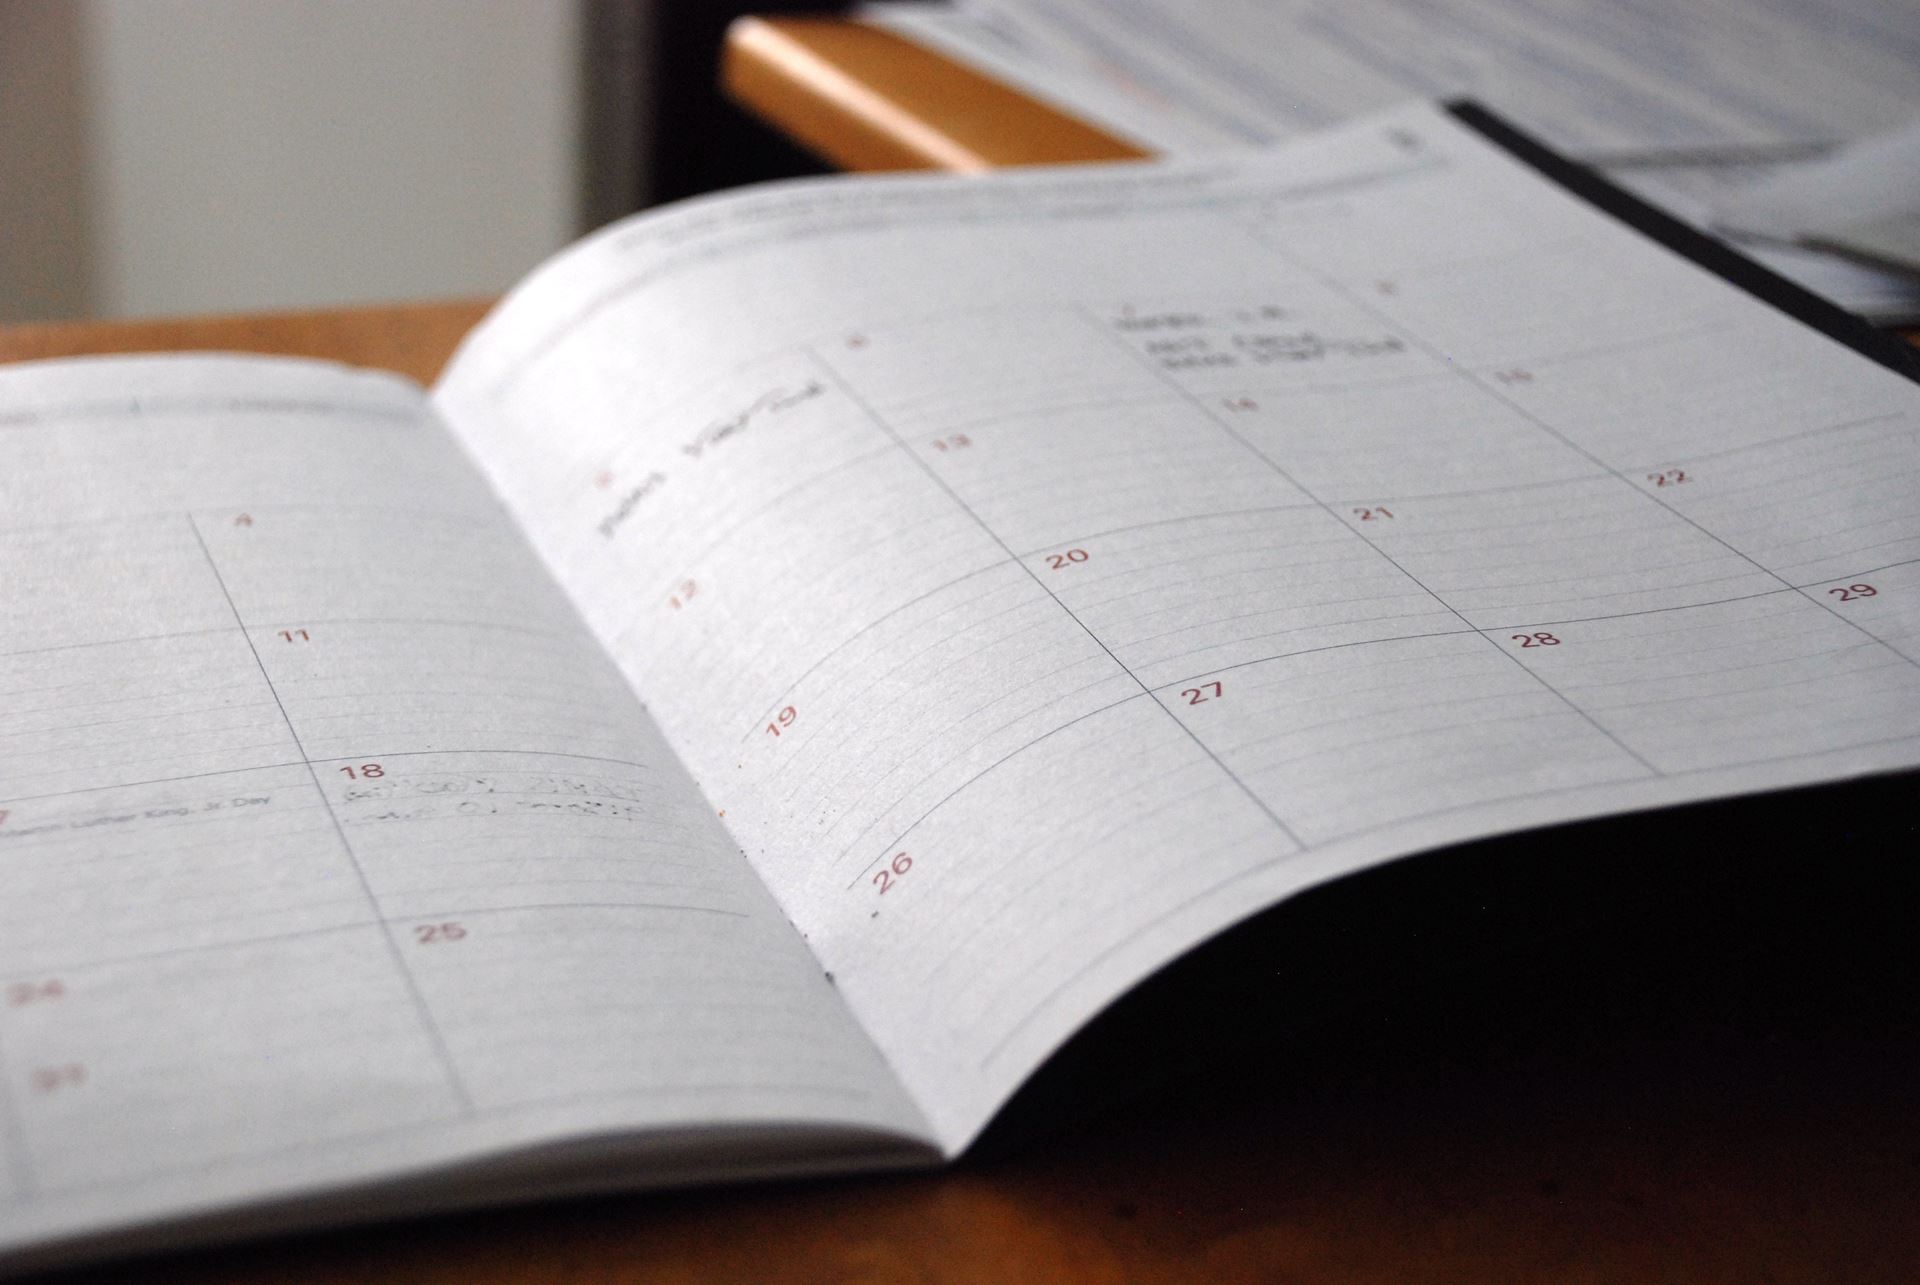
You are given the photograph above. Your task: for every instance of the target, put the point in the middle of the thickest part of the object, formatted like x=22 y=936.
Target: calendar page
x=334 y=851
x=1039 y=574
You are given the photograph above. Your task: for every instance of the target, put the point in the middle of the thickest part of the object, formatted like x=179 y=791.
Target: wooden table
x=1536 y=1120
x=414 y=339
x=867 y=99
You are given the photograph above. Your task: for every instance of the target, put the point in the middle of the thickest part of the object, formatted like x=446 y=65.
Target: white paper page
x=1044 y=572
x=1691 y=192
x=1721 y=84
x=331 y=846
x=1863 y=200
x=1590 y=77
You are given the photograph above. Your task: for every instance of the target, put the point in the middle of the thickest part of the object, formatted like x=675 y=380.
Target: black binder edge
x=1714 y=255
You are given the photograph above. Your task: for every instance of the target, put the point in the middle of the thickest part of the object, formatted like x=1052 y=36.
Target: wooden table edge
x=412 y=339
x=868 y=99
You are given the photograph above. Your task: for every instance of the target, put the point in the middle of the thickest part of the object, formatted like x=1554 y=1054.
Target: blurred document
x=1715 y=87
x=1863 y=202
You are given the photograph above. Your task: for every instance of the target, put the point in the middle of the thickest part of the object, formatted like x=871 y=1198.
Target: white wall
x=256 y=154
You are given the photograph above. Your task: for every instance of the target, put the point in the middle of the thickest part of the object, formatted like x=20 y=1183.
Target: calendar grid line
x=884 y=426
x=1868 y=571
x=157 y=780
x=430 y=1027
x=1313 y=651
x=335 y=758
x=117 y=642
x=478 y=1113
x=1017 y=609
x=965 y=785
x=1384 y=639
x=101 y=704
x=1798 y=436
x=34 y=416
x=868 y=628
x=1234 y=434
x=1560 y=356
x=1102 y=681
x=1531 y=621
x=144 y=718
x=381 y=922
x=1263 y=866
x=527 y=355
x=13 y=1132
x=1185 y=395
x=762 y=509
x=1078 y=537
x=173 y=826
x=303 y=621
x=1683 y=516
x=1443 y=375
x=131 y=516
x=1489 y=388
x=617 y=947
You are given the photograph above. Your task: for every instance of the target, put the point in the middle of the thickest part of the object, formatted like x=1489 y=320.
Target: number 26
x=886 y=875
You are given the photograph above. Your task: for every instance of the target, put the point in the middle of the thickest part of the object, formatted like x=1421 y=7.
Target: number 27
x=1202 y=694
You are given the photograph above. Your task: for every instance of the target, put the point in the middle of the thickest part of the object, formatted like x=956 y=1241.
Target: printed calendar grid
x=99 y=760
x=1158 y=688
x=1032 y=666
x=1178 y=394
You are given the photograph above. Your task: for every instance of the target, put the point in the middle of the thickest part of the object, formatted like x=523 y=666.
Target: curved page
x=1044 y=572
x=332 y=848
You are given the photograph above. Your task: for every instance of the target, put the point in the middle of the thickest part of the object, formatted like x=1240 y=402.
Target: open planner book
x=818 y=646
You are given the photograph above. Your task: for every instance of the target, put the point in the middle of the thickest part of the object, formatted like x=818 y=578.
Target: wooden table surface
x=414 y=339
x=1463 y=1133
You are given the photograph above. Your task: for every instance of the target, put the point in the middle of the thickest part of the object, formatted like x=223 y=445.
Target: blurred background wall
x=160 y=157
x=175 y=156
x=167 y=156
